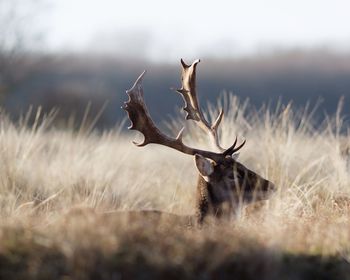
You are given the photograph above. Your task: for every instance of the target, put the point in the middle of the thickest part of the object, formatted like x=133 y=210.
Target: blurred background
x=80 y=56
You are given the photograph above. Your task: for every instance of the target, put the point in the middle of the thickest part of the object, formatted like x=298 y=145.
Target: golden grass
x=64 y=198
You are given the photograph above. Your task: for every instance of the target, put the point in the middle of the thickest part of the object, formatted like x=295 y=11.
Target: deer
x=223 y=183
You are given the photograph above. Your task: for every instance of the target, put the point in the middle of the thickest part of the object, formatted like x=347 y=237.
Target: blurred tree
x=19 y=37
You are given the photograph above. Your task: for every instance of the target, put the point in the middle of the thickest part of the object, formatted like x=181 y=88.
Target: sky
x=170 y=29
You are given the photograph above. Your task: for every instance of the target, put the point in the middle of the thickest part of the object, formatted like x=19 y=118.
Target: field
x=65 y=197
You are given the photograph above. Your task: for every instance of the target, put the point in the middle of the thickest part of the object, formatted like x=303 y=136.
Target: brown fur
x=229 y=187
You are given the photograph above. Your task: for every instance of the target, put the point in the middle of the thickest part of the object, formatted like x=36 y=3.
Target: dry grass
x=64 y=197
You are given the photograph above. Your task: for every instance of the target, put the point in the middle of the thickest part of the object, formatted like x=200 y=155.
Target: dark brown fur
x=229 y=187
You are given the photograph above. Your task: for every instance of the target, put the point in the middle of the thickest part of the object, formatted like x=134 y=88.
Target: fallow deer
x=223 y=183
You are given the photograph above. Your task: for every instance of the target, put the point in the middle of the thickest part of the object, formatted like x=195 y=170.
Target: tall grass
x=63 y=194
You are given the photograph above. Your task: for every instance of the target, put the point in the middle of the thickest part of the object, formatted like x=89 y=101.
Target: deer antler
x=142 y=122
x=192 y=108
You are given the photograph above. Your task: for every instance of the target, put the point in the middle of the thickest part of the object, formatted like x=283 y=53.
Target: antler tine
x=232 y=149
x=142 y=122
x=192 y=108
x=239 y=147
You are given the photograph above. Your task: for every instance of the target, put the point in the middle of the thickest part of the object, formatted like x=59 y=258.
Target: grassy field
x=65 y=198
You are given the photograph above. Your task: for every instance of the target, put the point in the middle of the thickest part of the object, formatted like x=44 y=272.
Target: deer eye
x=234 y=175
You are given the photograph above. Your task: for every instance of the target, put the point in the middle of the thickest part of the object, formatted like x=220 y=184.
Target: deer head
x=223 y=182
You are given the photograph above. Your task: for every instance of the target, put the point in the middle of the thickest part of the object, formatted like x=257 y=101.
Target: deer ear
x=235 y=156
x=204 y=166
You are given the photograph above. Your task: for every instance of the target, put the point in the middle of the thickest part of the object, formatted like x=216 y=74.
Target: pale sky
x=171 y=29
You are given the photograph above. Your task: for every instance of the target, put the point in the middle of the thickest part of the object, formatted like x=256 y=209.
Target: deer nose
x=269 y=187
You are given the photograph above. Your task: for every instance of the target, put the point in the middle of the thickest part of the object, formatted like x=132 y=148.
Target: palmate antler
x=142 y=122
x=192 y=108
